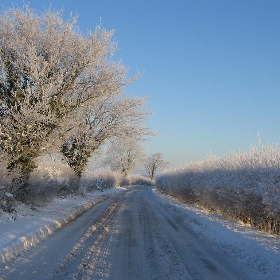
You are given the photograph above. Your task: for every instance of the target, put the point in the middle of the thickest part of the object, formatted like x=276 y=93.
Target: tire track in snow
x=88 y=257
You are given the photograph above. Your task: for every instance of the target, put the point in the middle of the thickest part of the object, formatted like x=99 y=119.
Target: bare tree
x=49 y=74
x=124 y=154
x=115 y=117
x=153 y=163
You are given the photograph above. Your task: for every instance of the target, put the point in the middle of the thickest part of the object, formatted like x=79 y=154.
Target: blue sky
x=211 y=68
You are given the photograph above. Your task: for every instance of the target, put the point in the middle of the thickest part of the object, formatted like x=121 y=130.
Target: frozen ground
x=136 y=233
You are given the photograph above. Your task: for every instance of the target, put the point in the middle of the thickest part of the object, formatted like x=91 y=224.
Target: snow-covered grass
x=241 y=186
x=257 y=252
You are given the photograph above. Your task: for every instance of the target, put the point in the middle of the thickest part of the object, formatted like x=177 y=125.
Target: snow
x=28 y=226
x=258 y=252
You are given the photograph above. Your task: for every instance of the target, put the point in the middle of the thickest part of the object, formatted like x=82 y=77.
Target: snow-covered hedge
x=99 y=179
x=241 y=186
x=51 y=177
x=137 y=179
x=105 y=178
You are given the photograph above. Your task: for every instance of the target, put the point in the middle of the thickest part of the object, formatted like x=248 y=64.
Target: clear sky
x=210 y=68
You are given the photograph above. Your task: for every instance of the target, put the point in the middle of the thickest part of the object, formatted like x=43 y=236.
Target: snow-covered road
x=137 y=233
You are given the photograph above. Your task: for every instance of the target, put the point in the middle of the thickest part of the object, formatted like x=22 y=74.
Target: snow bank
x=31 y=227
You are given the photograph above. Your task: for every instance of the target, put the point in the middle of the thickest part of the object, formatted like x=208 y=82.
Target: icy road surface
x=131 y=235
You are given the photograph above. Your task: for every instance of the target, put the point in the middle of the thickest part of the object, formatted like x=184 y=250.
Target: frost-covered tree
x=109 y=118
x=49 y=74
x=153 y=163
x=124 y=154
